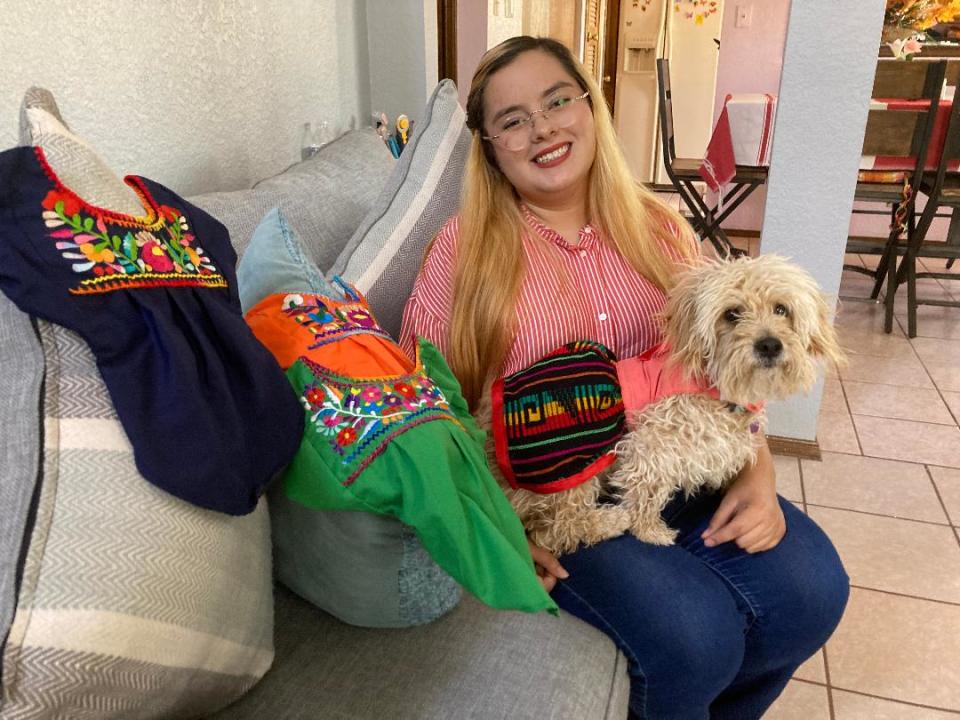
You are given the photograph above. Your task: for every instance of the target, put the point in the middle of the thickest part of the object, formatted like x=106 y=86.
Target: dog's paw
x=659 y=534
x=609 y=521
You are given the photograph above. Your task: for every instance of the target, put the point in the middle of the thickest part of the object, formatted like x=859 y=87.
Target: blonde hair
x=490 y=264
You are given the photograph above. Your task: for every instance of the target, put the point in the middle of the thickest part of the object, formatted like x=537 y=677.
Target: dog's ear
x=683 y=331
x=823 y=336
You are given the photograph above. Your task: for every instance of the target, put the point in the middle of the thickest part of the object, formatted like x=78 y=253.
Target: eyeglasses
x=513 y=130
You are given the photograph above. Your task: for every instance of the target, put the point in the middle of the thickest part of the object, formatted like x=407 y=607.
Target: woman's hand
x=548 y=568
x=749 y=513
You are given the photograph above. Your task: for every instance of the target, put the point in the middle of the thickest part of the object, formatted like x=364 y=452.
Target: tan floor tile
x=835 y=432
x=856 y=340
x=948 y=485
x=899 y=648
x=788 y=477
x=891 y=401
x=852 y=259
x=899 y=556
x=937 y=265
x=800 y=701
x=855 y=285
x=850 y=706
x=945 y=378
x=904 y=371
x=885 y=487
x=813 y=669
x=910 y=441
x=936 y=322
x=833 y=399
x=926 y=288
x=864 y=315
x=953 y=402
x=936 y=351
x=942 y=360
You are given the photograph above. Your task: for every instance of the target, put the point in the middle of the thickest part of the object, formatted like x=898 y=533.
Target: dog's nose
x=768 y=348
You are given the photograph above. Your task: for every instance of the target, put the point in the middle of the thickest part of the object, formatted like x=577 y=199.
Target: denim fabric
x=709 y=632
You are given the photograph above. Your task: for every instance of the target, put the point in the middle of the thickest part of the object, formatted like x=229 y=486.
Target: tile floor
x=888 y=493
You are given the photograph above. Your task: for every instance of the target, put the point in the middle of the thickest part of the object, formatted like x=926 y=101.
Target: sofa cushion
x=130 y=598
x=365 y=569
x=20 y=382
x=324 y=198
x=472 y=664
x=384 y=255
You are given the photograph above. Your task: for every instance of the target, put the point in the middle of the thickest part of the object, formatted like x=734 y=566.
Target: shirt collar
x=589 y=236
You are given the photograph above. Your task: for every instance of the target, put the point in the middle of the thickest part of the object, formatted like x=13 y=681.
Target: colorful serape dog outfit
x=557 y=422
x=393 y=436
x=210 y=417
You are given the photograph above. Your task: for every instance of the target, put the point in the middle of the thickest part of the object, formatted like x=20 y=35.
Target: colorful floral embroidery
x=330 y=322
x=360 y=415
x=120 y=256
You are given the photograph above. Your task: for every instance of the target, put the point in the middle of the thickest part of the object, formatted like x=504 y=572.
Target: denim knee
x=813 y=594
x=821 y=602
x=694 y=662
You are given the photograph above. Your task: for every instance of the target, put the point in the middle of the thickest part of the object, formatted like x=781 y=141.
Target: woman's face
x=555 y=163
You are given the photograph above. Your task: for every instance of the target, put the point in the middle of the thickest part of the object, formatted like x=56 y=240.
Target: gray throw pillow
x=324 y=199
x=384 y=255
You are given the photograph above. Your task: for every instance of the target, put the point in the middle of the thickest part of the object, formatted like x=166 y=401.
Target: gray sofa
x=77 y=542
x=471 y=663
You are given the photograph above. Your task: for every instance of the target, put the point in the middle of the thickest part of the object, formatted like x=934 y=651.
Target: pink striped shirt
x=607 y=301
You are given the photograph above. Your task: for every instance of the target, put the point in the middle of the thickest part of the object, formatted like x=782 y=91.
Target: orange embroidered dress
x=391 y=435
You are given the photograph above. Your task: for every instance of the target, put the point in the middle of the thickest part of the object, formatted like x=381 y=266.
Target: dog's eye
x=781 y=310
x=732 y=315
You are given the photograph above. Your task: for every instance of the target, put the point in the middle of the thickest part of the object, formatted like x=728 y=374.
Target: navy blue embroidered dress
x=209 y=413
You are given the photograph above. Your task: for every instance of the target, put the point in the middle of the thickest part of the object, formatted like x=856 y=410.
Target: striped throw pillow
x=383 y=257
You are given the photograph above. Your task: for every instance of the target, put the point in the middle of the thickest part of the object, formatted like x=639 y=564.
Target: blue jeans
x=708 y=632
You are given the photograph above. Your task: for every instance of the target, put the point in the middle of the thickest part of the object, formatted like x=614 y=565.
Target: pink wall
x=471 y=41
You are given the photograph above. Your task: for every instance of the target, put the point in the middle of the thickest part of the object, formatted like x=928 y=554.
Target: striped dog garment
x=555 y=423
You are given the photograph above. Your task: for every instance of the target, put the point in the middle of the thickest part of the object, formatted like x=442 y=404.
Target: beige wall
x=197 y=94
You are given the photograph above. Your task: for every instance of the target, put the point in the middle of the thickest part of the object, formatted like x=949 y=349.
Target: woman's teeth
x=550 y=156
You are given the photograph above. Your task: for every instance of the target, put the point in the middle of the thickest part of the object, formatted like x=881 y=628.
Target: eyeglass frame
x=529 y=121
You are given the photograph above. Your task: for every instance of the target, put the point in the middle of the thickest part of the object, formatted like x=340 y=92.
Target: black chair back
x=665 y=111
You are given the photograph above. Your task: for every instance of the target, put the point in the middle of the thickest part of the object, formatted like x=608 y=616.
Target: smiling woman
x=556 y=244
x=543 y=143
x=564 y=173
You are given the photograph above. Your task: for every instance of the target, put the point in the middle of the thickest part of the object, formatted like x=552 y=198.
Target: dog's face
x=755 y=327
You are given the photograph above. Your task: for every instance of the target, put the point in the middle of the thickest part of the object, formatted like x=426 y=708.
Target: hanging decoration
x=695 y=10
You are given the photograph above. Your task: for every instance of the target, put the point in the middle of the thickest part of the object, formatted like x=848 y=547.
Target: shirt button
x=583 y=253
x=602 y=316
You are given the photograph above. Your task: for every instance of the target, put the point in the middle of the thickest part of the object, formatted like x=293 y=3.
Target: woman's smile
x=553 y=155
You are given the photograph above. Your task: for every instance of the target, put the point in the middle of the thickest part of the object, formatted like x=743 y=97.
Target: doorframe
x=611 y=53
x=447 y=39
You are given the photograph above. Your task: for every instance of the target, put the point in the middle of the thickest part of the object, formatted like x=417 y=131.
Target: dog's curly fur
x=715 y=319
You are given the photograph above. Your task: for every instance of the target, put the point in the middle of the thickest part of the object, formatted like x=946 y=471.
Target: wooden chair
x=942 y=189
x=684 y=172
x=898 y=133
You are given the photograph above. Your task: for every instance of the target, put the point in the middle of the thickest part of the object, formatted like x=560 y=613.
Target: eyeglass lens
x=514 y=132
